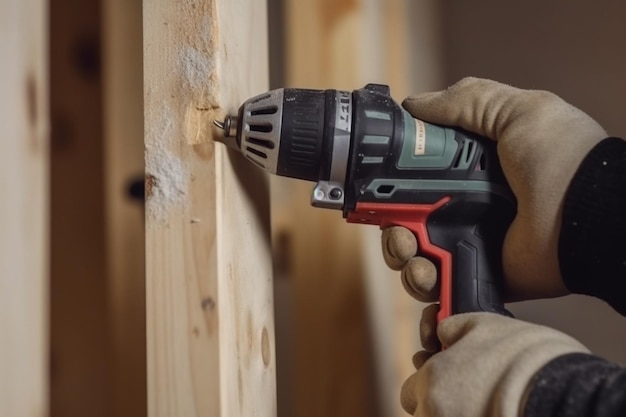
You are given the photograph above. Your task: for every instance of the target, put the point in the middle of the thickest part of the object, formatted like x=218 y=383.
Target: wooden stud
x=24 y=209
x=344 y=293
x=125 y=235
x=79 y=371
x=210 y=329
x=332 y=356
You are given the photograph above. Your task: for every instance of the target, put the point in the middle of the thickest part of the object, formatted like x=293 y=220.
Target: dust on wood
x=169 y=174
x=198 y=63
x=191 y=111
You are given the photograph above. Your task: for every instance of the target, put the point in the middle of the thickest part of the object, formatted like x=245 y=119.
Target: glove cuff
x=518 y=380
x=592 y=243
x=577 y=385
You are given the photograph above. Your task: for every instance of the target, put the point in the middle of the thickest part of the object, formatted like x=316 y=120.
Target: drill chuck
x=298 y=133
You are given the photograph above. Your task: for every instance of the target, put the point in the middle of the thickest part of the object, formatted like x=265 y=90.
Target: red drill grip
x=414 y=218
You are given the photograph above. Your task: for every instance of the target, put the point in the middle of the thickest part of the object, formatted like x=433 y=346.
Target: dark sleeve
x=592 y=243
x=578 y=385
x=592 y=257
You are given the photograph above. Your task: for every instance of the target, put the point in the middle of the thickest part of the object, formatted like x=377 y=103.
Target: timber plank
x=210 y=330
x=23 y=209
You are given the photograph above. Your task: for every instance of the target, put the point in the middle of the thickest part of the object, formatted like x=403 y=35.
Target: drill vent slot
x=482 y=163
x=466 y=155
x=261 y=128
x=264 y=110
x=264 y=143
x=256 y=152
x=385 y=189
x=260 y=124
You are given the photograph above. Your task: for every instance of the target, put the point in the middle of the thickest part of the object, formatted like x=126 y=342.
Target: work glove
x=541 y=141
x=485 y=370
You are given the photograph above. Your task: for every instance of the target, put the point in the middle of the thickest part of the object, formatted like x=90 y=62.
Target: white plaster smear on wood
x=197 y=68
x=167 y=175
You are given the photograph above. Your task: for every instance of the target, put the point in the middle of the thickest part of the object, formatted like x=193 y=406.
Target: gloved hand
x=486 y=368
x=541 y=142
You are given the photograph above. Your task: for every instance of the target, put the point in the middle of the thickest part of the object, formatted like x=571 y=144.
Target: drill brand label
x=344 y=110
x=420 y=138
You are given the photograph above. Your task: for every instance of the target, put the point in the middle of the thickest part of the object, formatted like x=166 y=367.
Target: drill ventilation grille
x=469 y=152
x=260 y=129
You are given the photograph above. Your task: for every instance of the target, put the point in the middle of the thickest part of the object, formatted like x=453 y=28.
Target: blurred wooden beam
x=332 y=370
x=343 y=293
x=80 y=371
x=24 y=209
x=125 y=237
x=210 y=326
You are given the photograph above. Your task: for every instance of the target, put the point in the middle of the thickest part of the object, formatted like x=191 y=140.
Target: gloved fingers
x=453 y=328
x=408 y=396
x=420 y=358
x=481 y=325
x=399 y=245
x=408 y=393
x=428 y=328
x=477 y=105
x=419 y=278
x=485 y=370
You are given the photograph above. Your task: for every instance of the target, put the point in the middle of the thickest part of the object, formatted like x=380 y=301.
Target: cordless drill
x=375 y=162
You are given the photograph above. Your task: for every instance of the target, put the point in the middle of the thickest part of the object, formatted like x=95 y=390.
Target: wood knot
x=208 y=304
x=265 y=347
x=151 y=183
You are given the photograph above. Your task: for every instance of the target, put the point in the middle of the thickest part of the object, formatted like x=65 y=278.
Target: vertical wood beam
x=333 y=368
x=210 y=329
x=80 y=383
x=23 y=211
x=344 y=44
x=125 y=235
x=407 y=39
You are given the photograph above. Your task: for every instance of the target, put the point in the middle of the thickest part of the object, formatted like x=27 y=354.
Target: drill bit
x=229 y=128
x=219 y=124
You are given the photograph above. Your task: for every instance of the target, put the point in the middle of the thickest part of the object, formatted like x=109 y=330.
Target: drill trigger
x=414 y=217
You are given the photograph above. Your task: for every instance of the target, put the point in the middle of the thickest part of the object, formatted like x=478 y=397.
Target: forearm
x=578 y=385
x=592 y=257
x=592 y=244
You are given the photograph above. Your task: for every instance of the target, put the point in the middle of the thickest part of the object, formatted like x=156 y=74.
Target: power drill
x=371 y=159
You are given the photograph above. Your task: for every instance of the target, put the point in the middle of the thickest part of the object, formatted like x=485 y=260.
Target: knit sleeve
x=578 y=385
x=592 y=243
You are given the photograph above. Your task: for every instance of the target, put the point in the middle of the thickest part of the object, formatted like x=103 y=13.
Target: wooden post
x=210 y=328
x=23 y=209
x=332 y=357
x=80 y=381
x=122 y=77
